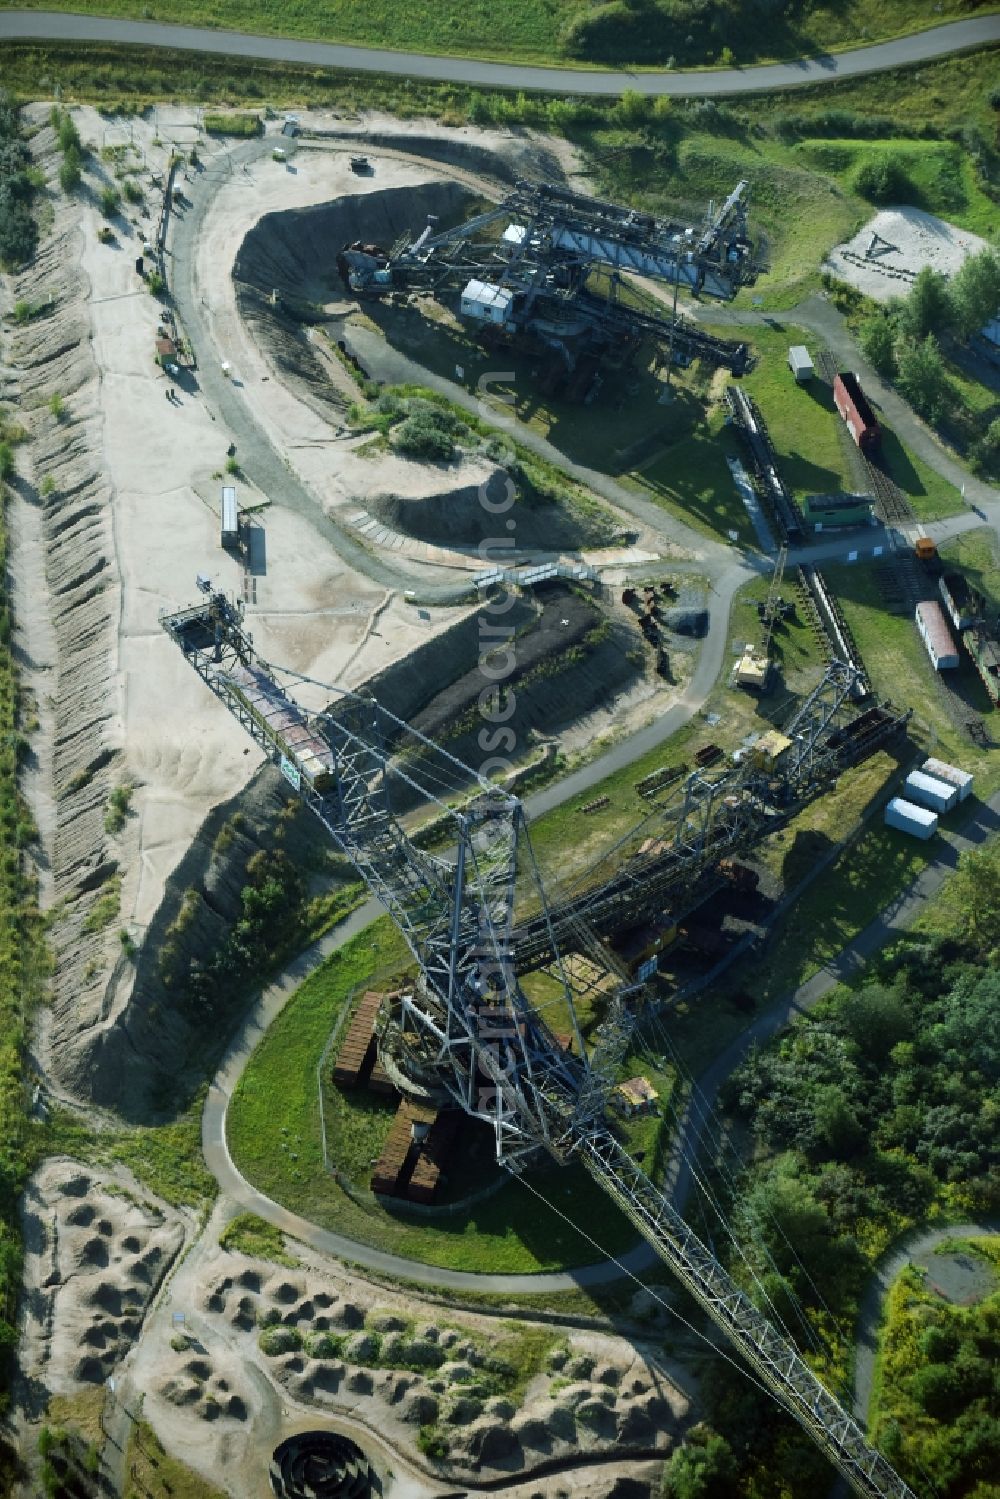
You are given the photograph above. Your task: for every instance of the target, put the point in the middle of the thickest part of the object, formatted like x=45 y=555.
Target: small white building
x=800 y=363
x=486 y=302
x=951 y=774
x=926 y=791
x=907 y=817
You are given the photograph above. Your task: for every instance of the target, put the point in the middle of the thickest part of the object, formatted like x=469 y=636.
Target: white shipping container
x=917 y=821
x=951 y=775
x=927 y=792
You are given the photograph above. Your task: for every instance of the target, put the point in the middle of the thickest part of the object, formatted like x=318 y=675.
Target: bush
x=432 y=1443
x=275 y=1340
x=6 y=460
x=69 y=171
x=131 y=190
x=884 y=179
x=69 y=136
x=110 y=201
x=424 y=435
x=57 y=405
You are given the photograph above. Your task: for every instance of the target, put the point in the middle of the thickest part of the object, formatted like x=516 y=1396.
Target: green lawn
x=977 y=555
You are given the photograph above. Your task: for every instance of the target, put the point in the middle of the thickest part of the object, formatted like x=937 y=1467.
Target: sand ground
x=917 y=239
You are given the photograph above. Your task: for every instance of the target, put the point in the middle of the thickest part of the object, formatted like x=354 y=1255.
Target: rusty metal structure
x=466 y=1021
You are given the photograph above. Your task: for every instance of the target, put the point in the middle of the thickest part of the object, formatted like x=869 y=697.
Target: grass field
x=531 y=30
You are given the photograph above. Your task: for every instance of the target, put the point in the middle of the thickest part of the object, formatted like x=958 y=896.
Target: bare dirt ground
x=116 y=512
x=913 y=239
x=213 y=1392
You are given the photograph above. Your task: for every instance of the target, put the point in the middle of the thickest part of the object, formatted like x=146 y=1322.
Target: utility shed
x=909 y=818
x=824 y=512
x=934 y=632
x=800 y=363
x=939 y=796
x=487 y=302
x=951 y=774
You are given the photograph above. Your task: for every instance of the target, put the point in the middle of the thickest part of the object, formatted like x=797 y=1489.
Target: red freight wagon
x=852 y=403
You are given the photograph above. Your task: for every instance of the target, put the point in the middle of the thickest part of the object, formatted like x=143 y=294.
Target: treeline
x=18 y=183
x=21 y=946
x=905 y=341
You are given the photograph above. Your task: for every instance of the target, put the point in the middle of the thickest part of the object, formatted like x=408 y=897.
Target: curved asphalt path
x=958 y=36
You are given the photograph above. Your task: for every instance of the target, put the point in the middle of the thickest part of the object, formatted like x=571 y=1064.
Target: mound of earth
x=471 y=512
x=94 y=1261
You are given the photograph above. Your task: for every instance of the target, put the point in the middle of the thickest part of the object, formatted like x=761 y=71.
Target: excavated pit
x=285 y=272
x=285 y=269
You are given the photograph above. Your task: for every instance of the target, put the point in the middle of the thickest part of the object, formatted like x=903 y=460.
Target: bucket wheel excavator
x=466 y=1021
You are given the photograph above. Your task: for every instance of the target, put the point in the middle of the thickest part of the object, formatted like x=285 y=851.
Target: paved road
x=958 y=36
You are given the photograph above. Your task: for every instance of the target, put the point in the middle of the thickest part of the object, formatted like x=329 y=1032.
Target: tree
x=974 y=293
x=928 y=308
x=876 y=1019
x=877 y=341
x=702 y=1470
x=922 y=378
x=974 y=894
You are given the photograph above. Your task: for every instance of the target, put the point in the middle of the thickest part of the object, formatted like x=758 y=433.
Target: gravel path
x=823 y=67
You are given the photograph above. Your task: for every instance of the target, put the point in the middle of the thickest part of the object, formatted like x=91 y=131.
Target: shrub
x=275 y=1340
x=424 y=436
x=241 y=125
x=156 y=283
x=432 y=1443
x=110 y=201
x=57 y=405
x=131 y=190
x=69 y=136
x=884 y=179
x=69 y=171
x=118 y=805
x=6 y=460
